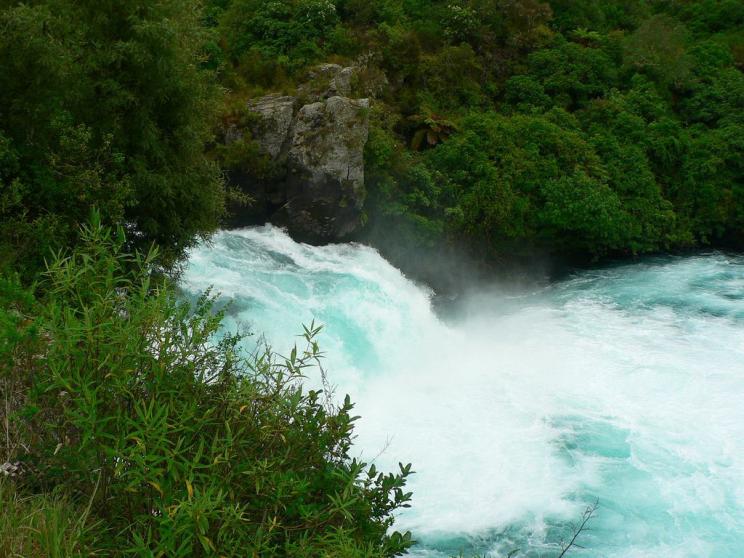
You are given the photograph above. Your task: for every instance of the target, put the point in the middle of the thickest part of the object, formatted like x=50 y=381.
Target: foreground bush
x=119 y=396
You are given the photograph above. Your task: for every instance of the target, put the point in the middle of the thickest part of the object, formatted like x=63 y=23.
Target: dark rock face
x=317 y=141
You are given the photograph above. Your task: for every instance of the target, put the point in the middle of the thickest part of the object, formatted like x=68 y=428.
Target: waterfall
x=623 y=385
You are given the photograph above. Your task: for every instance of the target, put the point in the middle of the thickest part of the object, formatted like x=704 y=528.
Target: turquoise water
x=623 y=385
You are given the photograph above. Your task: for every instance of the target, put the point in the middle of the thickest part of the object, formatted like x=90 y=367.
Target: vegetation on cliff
x=581 y=129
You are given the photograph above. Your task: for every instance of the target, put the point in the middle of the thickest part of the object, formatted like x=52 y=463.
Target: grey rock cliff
x=317 y=138
x=275 y=112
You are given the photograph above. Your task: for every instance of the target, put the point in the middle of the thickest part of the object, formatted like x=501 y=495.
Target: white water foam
x=624 y=385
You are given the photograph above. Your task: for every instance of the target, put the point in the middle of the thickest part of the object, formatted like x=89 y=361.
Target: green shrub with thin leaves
x=133 y=401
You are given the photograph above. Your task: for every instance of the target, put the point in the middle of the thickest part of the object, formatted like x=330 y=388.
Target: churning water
x=623 y=385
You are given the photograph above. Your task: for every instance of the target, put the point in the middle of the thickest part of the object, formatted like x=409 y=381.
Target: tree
x=572 y=74
x=525 y=180
x=104 y=104
x=657 y=48
x=290 y=31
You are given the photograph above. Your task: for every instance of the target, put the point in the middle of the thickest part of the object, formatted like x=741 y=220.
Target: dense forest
x=581 y=129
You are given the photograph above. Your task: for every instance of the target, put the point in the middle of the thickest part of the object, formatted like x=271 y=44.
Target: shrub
x=293 y=30
x=182 y=445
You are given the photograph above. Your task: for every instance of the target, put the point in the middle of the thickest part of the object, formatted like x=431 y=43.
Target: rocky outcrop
x=325 y=182
x=275 y=119
x=316 y=139
x=329 y=80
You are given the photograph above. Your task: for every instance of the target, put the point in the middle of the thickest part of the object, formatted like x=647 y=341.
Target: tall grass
x=44 y=526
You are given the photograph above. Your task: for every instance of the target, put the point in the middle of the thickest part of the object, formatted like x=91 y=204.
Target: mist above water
x=623 y=385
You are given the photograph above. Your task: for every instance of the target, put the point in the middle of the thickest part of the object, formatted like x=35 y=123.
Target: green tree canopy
x=104 y=104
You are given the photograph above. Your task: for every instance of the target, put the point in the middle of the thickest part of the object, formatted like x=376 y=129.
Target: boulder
x=275 y=113
x=325 y=182
x=328 y=80
x=317 y=141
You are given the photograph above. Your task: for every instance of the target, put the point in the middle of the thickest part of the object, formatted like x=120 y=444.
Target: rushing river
x=623 y=385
